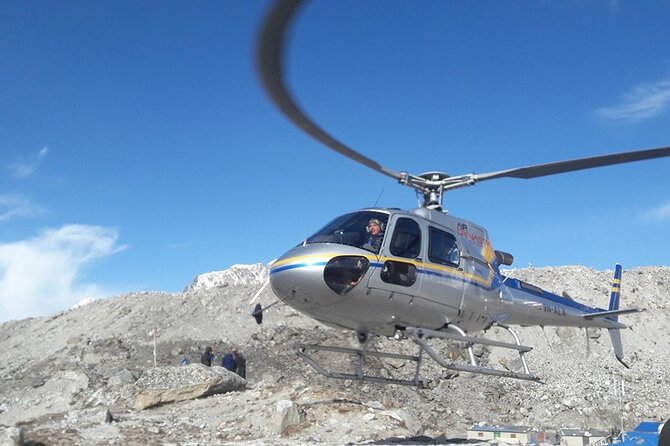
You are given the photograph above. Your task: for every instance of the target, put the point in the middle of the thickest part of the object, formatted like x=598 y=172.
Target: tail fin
x=615 y=298
x=613 y=310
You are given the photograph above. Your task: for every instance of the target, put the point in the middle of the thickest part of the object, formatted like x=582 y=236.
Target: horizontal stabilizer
x=611 y=313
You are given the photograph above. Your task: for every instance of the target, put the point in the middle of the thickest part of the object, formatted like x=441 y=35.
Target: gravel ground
x=73 y=378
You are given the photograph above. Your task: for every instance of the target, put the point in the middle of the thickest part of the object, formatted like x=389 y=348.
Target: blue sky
x=139 y=150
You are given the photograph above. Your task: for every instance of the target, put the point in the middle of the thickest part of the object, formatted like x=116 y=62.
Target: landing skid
x=420 y=337
x=304 y=351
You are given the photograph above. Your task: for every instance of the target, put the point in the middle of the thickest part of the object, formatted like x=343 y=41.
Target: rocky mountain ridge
x=74 y=378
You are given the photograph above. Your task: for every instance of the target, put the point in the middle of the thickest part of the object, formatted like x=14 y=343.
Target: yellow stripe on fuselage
x=314 y=259
x=453 y=271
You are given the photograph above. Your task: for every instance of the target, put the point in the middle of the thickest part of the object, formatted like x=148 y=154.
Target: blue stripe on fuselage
x=458 y=278
x=496 y=283
x=428 y=272
x=294 y=266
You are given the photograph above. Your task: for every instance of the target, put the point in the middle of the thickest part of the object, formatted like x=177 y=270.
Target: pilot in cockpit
x=375 y=235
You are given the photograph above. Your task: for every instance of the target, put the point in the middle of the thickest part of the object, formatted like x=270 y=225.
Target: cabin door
x=397 y=275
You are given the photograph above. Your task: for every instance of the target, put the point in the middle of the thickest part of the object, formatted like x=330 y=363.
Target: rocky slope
x=73 y=378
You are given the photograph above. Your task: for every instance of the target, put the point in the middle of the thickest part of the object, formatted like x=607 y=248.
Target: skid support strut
x=420 y=336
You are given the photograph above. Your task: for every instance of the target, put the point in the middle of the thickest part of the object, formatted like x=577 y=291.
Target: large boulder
x=161 y=385
x=54 y=395
x=288 y=416
x=11 y=436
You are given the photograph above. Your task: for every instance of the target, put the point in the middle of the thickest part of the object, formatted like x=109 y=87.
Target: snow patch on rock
x=236 y=275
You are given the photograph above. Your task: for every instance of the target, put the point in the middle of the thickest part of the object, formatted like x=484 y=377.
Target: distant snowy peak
x=82 y=302
x=244 y=275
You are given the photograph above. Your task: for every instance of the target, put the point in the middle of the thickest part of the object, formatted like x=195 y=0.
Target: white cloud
x=39 y=276
x=658 y=213
x=25 y=168
x=642 y=102
x=14 y=206
x=43 y=152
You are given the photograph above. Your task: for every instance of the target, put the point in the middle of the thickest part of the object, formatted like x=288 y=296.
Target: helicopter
x=422 y=274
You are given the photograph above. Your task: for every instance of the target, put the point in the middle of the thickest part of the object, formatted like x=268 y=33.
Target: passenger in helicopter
x=375 y=230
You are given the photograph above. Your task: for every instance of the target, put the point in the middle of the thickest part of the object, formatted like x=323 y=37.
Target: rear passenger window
x=442 y=248
x=406 y=241
x=399 y=273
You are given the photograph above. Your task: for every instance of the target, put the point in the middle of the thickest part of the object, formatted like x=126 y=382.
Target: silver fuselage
x=425 y=288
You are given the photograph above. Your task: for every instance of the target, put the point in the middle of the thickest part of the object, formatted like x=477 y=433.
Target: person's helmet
x=378 y=222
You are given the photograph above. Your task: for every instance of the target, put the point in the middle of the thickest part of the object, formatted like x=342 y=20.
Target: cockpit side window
x=406 y=240
x=349 y=229
x=442 y=248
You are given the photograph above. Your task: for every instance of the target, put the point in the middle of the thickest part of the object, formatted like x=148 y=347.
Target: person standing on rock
x=229 y=360
x=207 y=357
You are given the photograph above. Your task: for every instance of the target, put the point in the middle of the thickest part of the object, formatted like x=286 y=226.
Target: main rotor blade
x=269 y=60
x=540 y=170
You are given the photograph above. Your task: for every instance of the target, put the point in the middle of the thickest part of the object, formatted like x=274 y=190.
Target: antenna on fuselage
x=378 y=198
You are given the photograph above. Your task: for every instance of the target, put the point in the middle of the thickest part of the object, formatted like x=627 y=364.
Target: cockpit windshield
x=364 y=229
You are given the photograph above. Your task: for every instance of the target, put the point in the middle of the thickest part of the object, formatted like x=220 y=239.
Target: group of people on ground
x=233 y=360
